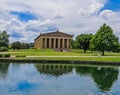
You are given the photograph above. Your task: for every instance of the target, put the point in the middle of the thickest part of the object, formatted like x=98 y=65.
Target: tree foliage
x=104 y=39
x=84 y=41
x=4 y=40
x=74 y=44
x=19 y=45
x=16 y=45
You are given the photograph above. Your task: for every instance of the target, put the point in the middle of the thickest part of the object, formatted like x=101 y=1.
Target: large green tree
x=104 y=39
x=84 y=41
x=4 y=39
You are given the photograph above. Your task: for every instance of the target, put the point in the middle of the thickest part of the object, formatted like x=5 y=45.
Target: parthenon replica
x=53 y=40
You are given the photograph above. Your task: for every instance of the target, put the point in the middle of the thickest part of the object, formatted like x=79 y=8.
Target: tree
x=84 y=41
x=16 y=45
x=74 y=44
x=26 y=45
x=104 y=39
x=19 y=45
x=4 y=40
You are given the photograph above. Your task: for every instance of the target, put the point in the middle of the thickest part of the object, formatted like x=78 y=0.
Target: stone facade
x=53 y=40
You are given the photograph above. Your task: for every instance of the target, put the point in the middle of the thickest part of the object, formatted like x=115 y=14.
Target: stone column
x=54 y=42
x=68 y=43
x=41 y=46
x=58 y=42
x=45 y=42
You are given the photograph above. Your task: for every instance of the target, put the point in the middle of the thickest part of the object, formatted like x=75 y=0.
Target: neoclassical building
x=55 y=39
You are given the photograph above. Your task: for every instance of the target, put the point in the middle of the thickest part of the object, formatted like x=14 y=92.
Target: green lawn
x=101 y=59
x=47 y=52
x=74 y=54
x=50 y=52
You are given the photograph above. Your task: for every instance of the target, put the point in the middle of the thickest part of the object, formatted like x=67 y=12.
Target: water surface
x=56 y=79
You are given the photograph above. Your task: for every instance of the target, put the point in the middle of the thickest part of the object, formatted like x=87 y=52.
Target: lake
x=58 y=79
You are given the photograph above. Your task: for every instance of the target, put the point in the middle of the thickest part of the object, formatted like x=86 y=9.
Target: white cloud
x=91 y=9
x=70 y=16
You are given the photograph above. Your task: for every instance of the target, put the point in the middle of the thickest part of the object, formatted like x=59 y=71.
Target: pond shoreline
x=85 y=62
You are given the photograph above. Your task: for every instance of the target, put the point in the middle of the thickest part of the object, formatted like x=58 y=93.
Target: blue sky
x=112 y=5
x=24 y=16
x=25 y=20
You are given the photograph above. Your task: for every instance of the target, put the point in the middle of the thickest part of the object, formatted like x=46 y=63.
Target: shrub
x=6 y=55
x=20 y=55
x=1 y=55
x=3 y=49
x=33 y=48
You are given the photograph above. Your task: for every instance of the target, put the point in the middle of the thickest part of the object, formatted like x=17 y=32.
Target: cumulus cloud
x=69 y=16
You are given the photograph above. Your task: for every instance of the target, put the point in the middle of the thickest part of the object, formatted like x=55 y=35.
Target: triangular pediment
x=55 y=34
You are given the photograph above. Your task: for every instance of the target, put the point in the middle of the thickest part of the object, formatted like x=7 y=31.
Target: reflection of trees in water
x=3 y=69
x=83 y=70
x=53 y=69
x=104 y=77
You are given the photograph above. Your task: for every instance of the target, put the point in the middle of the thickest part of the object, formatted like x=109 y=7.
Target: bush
x=6 y=55
x=3 y=49
x=33 y=48
x=20 y=55
x=1 y=55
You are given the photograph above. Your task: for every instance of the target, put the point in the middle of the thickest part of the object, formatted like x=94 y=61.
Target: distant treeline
x=5 y=46
x=20 y=45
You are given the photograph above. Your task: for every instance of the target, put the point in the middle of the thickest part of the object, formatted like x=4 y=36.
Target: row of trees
x=103 y=40
x=20 y=45
x=4 y=43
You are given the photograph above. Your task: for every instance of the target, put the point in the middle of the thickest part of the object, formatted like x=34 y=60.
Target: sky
x=24 y=20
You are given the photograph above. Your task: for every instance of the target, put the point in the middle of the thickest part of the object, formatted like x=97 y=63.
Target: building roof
x=54 y=34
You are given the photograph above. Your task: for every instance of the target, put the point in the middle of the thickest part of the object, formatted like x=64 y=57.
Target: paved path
x=71 y=56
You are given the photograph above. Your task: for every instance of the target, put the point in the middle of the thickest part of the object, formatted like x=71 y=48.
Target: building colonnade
x=53 y=42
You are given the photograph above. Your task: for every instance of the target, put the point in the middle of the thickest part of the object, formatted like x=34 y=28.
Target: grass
x=50 y=52
x=74 y=54
x=104 y=59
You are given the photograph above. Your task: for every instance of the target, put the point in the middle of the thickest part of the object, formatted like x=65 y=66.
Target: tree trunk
x=103 y=53
x=84 y=50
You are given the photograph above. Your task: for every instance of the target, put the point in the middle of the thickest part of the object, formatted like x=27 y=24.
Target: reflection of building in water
x=55 y=70
x=3 y=69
